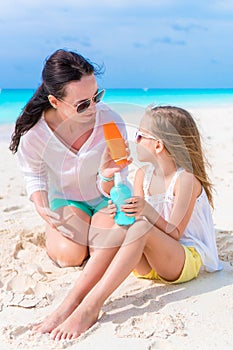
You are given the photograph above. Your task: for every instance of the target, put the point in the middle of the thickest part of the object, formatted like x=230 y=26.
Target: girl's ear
x=159 y=146
x=52 y=101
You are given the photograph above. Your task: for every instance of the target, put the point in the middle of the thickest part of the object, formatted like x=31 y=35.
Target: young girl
x=173 y=237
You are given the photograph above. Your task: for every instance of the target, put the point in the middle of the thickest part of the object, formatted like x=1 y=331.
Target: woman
x=59 y=140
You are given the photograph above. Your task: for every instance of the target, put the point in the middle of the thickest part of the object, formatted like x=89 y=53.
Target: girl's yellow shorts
x=190 y=270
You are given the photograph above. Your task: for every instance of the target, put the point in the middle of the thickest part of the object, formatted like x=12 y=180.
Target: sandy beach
x=140 y=314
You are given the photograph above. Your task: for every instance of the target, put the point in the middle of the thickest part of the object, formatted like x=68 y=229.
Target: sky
x=142 y=44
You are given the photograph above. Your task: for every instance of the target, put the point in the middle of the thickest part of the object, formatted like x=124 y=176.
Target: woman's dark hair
x=60 y=68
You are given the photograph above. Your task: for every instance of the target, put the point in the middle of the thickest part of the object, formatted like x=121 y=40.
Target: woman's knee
x=64 y=251
x=67 y=257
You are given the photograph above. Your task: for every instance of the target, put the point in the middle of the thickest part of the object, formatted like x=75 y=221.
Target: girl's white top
x=49 y=165
x=199 y=232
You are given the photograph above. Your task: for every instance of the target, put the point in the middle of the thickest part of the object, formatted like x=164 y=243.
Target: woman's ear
x=53 y=101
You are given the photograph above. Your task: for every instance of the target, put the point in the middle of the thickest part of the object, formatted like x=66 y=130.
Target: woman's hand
x=55 y=220
x=51 y=217
x=109 y=167
x=40 y=199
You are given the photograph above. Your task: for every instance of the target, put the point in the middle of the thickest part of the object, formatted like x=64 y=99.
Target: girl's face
x=145 y=142
x=79 y=102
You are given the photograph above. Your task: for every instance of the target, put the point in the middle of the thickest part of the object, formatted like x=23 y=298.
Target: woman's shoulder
x=37 y=132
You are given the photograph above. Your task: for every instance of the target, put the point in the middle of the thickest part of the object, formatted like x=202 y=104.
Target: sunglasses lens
x=86 y=104
x=98 y=97
x=138 y=137
x=83 y=106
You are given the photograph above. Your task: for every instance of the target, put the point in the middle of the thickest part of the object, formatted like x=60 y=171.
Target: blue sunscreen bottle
x=119 y=193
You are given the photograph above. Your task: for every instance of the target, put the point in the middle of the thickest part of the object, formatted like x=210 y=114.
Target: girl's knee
x=141 y=225
x=139 y=230
x=106 y=238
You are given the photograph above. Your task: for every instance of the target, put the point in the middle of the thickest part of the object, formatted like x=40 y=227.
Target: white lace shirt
x=199 y=233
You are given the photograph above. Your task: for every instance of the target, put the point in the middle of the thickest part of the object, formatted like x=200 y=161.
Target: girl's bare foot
x=77 y=323
x=53 y=320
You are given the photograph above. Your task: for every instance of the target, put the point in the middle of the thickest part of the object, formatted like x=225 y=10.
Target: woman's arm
x=34 y=170
x=31 y=164
x=108 y=167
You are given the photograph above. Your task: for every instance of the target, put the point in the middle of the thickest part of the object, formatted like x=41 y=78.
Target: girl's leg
x=143 y=267
x=163 y=253
x=92 y=272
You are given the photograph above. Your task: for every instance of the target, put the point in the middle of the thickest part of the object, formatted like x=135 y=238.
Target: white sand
x=140 y=314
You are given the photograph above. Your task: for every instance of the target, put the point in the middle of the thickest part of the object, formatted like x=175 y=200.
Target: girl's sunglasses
x=84 y=105
x=139 y=135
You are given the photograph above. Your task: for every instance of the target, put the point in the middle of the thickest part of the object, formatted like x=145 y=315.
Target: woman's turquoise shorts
x=90 y=208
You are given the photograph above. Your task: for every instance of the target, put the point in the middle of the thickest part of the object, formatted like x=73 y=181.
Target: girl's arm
x=138 y=182
x=146 y=209
x=187 y=189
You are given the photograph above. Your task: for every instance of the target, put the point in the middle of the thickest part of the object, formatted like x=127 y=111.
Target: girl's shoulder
x=143 y=175
x=186 y=176
x=188 y=181
x=141 y=172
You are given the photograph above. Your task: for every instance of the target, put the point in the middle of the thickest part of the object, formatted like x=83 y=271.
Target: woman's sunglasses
x=139 y=135
x=84 y=105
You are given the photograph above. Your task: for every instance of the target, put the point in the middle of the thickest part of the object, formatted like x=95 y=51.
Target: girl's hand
x=134 y=206
x=109 y=167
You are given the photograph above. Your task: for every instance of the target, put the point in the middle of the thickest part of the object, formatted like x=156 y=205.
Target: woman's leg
x=68 y=250
x=101 y=257
x=162 y=252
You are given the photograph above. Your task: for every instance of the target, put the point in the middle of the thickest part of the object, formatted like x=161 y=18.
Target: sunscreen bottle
x=119 y=192
x=115 y=143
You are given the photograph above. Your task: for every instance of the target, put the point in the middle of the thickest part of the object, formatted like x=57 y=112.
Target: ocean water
x=13 y=101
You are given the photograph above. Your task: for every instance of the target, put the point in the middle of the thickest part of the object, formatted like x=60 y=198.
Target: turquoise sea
x=12 y=101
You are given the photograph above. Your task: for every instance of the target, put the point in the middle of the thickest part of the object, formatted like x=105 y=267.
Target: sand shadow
x=157 y=296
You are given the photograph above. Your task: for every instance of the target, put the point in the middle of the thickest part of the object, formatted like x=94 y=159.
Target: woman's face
x=77 y=92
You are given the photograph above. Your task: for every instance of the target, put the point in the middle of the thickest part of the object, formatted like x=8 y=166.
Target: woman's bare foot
x=77 y=323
